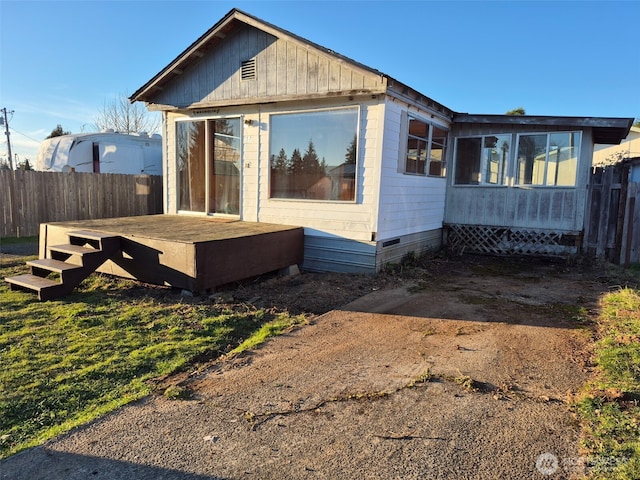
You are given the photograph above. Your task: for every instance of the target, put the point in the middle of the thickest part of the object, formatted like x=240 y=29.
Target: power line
x=25 y=135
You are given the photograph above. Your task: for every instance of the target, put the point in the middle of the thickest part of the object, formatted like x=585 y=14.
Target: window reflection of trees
x=306 y=173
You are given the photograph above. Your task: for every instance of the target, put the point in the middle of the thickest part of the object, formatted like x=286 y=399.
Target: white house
x=262 y=125
x=628 y=148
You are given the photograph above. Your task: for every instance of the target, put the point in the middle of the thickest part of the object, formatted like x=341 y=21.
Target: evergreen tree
x=350 y=156
x=279 y=174
x=295 y=164
x=58 y=132
x=25 y=165
x=310 y=162
x=323 y=167
x=295 y=171
x=280 y=164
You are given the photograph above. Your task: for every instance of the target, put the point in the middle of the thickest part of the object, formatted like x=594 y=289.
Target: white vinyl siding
x=408 y=203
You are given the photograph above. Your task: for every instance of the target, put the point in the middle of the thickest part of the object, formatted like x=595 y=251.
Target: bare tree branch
x=125 y=117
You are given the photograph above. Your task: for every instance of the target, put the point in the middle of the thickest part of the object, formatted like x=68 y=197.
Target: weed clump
x=177 y=392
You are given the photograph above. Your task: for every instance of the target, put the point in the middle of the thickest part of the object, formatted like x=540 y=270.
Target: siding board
x=302 y=68
x=334 y=76
x=292 y=70
x=323 y=74
x=264 y=64
x=281 y=68
x=312 y=73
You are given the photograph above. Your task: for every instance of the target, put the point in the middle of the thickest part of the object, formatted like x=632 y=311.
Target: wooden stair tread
x=90 y=235
x=32 y=282
x=73 y=249
x=52 y=265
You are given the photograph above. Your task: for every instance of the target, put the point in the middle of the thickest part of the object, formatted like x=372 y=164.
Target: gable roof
x=233 y=20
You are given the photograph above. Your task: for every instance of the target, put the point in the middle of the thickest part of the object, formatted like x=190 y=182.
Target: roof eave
x=411 y=96
x=142 y=94
x=606 y=130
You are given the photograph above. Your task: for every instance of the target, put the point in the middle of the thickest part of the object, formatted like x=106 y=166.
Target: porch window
x=208 y=153
x=313 y=155
x=426 y=145
x=482 y=160
x=548 y=159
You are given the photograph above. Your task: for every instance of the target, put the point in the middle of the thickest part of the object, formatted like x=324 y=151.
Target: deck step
x=93 y=248
x=51 y=265
x=32 y=282
x=73 y=249
x=98 y=240
x=45 y=288
x=90 y=235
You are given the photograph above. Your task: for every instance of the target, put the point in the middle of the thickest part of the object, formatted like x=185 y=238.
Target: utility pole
x=6 y=131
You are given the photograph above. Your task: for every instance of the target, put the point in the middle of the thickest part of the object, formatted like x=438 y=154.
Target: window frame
x=516 y=160
x=358 y=111
x=505 y=173
x=208 y=165
x=429 y=140
x=512 y=168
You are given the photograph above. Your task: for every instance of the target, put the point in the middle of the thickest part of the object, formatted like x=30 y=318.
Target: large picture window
x=426 y=145
x=313 y=155
x=482 y=160
x=549 y=159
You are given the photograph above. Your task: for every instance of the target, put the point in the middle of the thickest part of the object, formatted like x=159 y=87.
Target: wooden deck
x=190 y=252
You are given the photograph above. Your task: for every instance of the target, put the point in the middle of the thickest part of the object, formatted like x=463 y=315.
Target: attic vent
x=249 y=69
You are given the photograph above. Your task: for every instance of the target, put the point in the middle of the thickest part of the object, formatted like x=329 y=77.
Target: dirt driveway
x=463 y=373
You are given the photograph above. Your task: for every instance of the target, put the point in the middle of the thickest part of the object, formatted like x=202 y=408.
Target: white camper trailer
x=105 y=152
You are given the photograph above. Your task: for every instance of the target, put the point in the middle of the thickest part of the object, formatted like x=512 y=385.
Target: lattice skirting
x=510 y=240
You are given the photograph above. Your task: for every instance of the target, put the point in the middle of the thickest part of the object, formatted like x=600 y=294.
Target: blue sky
x=60 y=61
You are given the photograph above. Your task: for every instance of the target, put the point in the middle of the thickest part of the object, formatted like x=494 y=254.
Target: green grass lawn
x=69 y=361
x=609 y=406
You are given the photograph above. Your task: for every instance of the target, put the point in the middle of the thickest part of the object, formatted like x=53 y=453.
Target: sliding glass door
x=209 y=154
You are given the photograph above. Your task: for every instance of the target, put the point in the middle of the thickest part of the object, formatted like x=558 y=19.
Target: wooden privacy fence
x=612 y=227
x=30 y=198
